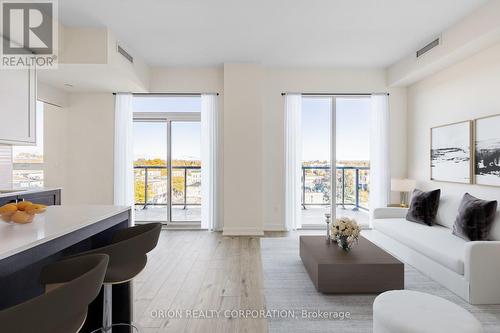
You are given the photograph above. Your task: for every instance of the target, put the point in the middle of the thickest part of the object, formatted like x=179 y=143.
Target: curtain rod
x=334 y=94
x=171 y=94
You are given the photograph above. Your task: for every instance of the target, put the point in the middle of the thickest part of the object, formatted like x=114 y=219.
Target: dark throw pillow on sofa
x=475 y=218
x=423 y=206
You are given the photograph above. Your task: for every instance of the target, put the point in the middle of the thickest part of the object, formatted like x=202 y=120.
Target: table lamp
x=404 y=186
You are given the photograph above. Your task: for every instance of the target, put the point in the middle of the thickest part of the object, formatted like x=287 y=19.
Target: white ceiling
x=340 y=33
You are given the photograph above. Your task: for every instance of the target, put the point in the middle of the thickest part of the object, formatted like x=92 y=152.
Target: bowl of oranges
x=22 y=212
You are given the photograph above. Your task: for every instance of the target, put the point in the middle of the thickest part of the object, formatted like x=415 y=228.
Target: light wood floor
x=200 y=270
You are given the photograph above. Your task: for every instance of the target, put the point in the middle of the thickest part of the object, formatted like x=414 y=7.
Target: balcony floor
x=159 y=214
x=313 y=215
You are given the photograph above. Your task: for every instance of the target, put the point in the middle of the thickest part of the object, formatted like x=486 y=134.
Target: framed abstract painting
x=451 y=152
x=487 y=151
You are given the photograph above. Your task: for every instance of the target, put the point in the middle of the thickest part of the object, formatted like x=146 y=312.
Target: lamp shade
x=402 y=185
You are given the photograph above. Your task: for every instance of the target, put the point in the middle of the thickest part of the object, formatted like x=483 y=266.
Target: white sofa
x=469 y=269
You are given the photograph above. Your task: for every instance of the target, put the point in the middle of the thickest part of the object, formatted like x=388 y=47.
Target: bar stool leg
x=107 y=311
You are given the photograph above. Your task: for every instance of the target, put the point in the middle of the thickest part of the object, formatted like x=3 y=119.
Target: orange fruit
x=22 y=205
x=8 y=208
x=35 y=209
x=6 y=217
x=22 y=217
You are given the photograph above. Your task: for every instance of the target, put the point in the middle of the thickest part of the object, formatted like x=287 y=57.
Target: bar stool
x=127 y=258
x=74 y=282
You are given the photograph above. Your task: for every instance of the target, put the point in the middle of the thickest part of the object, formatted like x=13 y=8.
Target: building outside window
x=28 y=163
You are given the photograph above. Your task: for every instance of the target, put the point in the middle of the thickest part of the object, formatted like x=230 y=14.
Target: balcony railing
x=152 y=197
x=352 y=186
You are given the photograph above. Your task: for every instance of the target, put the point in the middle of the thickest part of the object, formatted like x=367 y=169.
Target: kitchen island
x=60 y=231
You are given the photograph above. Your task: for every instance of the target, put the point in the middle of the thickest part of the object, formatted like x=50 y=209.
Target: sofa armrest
x=389 y=213
x=481 y=269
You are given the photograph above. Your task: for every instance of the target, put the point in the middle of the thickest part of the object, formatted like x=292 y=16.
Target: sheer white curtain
x=123 y=151
x=293 y=150
x=379 y=151
x=209 y=162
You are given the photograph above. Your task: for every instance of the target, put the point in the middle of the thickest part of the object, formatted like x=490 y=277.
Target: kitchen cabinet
x=44 y=197
x=48 y=198
x=7 y=200
x=17 y=106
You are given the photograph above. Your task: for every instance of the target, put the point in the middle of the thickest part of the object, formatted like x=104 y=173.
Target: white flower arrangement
x=345 y=232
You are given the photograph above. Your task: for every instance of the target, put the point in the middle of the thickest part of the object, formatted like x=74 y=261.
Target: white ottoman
x=405 y=311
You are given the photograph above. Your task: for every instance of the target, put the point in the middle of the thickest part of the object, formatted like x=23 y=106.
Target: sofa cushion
x=423 y=206
x=475 y=218
x=436 y=242
x=495 y=229
x=448 y=211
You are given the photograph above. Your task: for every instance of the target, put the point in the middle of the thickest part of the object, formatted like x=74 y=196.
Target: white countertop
x=55 y=222
x=21 y=191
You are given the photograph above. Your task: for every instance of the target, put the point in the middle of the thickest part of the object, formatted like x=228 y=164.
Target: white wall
x=195 y=80
x=78 y=145
x=55 y=136
x=89 y=157
x=464 y=91
x=243 y=174
x=55 y=150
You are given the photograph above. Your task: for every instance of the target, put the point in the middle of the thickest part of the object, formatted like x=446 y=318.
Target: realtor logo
x=29 y=31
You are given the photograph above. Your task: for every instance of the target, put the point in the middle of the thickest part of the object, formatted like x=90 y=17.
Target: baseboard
x=242 y=232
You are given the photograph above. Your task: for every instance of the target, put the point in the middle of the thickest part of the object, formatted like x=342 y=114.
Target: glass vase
x=344 y=243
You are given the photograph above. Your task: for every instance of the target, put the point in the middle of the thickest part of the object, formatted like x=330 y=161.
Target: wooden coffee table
x=365 y=269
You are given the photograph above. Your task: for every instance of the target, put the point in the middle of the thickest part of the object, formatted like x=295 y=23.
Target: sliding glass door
x=167 y=164
x=335 y=128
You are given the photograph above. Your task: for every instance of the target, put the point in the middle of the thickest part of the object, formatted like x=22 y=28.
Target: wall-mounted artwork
x=487 y=151
x=451 y=152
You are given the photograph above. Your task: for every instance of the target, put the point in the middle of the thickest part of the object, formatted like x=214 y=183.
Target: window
x=28 y=160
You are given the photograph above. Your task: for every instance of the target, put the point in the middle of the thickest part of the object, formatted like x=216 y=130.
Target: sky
x=352 y=119
x=352 y=127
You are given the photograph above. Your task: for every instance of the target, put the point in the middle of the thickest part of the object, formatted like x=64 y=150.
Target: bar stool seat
x=123 y=273
x=74 y=282
x=127 y=258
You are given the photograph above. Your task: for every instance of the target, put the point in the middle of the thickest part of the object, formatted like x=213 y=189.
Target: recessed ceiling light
x=68 y=85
